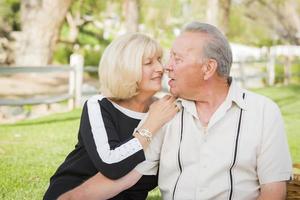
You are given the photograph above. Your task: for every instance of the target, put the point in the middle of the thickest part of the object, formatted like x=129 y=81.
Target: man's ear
x=210 y=68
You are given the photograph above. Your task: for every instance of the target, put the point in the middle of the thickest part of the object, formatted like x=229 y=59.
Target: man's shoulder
x=255 y=101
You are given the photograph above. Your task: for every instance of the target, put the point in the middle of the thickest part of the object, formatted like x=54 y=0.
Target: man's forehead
x=184 y=44
x=181 y=50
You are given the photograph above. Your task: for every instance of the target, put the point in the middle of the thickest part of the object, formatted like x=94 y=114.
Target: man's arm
x=274 y=165
x=274 y=191
x=100 y=187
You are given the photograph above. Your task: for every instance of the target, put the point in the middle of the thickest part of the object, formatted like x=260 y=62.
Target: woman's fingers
x=166 y=97
x=165 y=106
x=177 y=106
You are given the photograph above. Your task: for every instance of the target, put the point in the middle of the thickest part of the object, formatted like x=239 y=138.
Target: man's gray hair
x=216 y=47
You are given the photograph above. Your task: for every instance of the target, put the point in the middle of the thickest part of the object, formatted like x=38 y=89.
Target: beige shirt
x=220 y=162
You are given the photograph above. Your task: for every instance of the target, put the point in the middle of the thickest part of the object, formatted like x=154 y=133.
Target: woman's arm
x=98 y=133
x=99 y=187
x=160 y=112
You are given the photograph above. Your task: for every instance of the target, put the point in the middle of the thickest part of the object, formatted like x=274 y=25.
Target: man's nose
x=169 y=65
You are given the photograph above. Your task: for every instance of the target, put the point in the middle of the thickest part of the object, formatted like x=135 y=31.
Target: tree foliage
x=90 y=25
x=9 y=17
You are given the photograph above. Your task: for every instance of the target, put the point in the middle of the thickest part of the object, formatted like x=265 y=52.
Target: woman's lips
x=156 y=78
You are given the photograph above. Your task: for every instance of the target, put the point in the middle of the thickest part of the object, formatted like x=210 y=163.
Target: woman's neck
x=138 y=103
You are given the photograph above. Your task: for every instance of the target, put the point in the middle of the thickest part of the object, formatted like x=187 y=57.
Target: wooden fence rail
x=73 y=95
x=48 y=69
x=75 y=79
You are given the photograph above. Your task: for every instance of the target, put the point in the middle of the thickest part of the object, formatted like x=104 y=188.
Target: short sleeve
x=274 y=161
x=112 y=157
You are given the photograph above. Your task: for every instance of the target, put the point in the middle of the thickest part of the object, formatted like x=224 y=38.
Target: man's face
x=185 y=65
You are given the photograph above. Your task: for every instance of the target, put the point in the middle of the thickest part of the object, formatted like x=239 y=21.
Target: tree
x=9 y=20
x=212 y=12
x=40 y=25
x=281 y=17
x=218 y=13
x=132 y=14
x=224 y=16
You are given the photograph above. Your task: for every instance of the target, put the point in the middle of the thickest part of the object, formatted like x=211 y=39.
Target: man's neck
x=211 y=97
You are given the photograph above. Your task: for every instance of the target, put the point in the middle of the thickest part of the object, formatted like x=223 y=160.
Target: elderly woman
x=109 y=142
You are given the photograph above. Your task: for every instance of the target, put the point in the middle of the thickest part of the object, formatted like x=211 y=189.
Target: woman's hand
x=160 y=112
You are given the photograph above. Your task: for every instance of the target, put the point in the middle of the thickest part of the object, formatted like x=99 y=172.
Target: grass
x=30 y=151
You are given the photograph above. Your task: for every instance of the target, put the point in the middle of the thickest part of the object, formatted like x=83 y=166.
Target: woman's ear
x=210 y=68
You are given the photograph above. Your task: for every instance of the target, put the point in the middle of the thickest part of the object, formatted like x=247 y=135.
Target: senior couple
x=209 y=139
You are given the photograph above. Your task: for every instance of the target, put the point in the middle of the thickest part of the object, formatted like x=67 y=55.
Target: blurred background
x=40 y=32
x=49 y=55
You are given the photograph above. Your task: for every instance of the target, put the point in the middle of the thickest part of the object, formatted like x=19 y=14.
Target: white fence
x=252 y=67
x=73 y=95
x=250 y=63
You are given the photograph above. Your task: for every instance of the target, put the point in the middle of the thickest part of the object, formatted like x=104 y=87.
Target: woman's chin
x=153 y=89
x=158 y=89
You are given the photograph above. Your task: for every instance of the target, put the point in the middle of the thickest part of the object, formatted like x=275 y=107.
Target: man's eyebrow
x=176 y=53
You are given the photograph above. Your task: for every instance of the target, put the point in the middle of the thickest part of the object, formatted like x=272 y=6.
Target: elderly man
x=226 y=142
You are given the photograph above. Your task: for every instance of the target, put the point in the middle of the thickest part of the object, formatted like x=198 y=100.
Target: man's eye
x=178 y=60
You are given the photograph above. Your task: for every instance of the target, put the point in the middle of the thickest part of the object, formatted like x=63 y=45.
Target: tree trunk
x=131 y=13
x=292 y=19
x=224 y=15
x=41 y=21
x=212 y=12
x=73 y=27
x=218 y=12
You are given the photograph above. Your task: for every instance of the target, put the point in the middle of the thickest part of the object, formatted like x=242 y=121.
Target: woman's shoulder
x=96 y=98
x=99 y=101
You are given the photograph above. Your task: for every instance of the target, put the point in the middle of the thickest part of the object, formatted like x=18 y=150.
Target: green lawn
x=31 y=150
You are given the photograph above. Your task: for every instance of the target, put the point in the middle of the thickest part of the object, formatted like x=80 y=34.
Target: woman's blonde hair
x=120 y=68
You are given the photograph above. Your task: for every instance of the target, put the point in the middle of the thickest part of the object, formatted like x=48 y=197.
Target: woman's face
x=152 y=72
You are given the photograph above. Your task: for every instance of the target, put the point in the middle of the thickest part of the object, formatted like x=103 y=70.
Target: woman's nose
x=159 y=67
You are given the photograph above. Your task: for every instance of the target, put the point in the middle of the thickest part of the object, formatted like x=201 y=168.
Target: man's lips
x=171 y=82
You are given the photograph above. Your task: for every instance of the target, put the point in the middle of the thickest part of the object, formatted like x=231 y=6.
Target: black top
x=106 y=145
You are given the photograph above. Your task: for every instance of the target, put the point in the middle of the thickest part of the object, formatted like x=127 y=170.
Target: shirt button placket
x=204 y=155
x=205 y=131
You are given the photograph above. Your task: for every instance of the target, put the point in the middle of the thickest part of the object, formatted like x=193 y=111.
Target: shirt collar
x=235 y=94
x=189 y=105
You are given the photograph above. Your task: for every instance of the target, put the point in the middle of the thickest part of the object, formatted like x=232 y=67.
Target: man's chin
x=174 y=93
